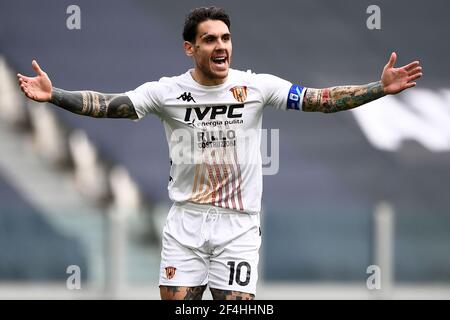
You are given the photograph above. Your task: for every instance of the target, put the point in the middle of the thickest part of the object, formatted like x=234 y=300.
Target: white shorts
x=203 y=244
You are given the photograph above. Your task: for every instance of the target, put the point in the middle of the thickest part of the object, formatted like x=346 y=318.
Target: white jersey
x=214 y=134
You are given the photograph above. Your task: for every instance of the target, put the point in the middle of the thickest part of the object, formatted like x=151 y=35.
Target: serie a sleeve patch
x=294 y=100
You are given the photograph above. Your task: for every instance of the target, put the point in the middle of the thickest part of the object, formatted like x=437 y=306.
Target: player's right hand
x=38 y=88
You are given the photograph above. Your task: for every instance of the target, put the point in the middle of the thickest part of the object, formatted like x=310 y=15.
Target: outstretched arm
x=94 y=104
x=393 y=80
x=87 y=103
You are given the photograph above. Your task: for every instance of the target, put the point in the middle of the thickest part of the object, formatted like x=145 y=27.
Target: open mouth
x=219 y=60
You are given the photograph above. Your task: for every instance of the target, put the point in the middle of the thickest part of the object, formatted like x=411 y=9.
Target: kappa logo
x=239 y=93
x=186 y=96
x=170 y=272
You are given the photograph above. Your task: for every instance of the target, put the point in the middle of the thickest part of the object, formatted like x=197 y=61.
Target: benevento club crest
x=170 y=272
x=239 y=93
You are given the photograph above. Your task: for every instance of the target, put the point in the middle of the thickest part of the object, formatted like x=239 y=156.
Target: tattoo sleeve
x=341 y=98
x=94 y=104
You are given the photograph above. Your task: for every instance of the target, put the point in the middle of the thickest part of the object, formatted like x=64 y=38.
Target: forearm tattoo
x=94 y=104
x=341 y=98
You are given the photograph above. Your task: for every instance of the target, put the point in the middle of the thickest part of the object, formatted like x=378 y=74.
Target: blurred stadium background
x=354 y=189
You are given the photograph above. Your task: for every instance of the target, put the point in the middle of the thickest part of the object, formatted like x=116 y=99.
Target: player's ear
x=188 y=48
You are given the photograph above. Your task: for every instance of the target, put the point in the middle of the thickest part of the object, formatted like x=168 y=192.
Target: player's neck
x=203 y=80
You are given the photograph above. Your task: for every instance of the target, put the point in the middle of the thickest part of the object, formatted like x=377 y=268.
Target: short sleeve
x=147 y=98
x=280 y=93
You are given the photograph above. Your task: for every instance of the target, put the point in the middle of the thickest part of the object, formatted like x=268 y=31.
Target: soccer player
x=212 y=116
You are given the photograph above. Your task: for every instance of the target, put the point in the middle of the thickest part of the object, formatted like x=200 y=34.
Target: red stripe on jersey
x=241 y=207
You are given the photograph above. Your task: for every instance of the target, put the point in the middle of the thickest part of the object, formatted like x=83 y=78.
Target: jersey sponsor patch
x=294 y=98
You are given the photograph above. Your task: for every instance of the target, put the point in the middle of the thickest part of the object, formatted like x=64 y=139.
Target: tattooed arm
x=393 y=80
x=94 y=104
x=336 y=99
x=87 y=103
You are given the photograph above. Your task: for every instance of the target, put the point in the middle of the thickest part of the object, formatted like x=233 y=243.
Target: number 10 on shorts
x=236 y=271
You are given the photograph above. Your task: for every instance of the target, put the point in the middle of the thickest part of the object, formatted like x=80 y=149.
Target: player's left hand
x=395 y=80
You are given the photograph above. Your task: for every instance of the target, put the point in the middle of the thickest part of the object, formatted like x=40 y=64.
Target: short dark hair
x=198 y=15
